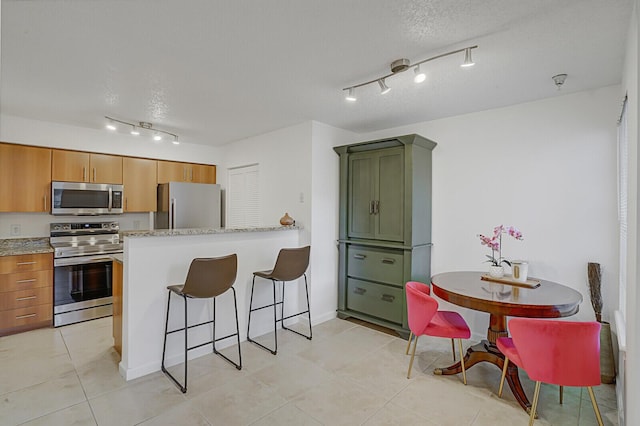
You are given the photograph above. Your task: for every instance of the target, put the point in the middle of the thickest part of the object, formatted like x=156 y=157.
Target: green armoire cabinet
x=385 y=227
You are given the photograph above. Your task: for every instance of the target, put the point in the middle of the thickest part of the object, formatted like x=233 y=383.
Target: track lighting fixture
x=401 y=65
x=141 y=126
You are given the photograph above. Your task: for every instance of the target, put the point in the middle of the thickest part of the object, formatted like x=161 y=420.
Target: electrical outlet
x=302 y=197
x=15 y=230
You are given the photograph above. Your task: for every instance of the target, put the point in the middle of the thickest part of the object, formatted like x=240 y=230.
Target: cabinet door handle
x=126 y=203
x=371 y=208
x=359 y=256
x=25 y=298
x=44 y=203
x=376 y=207
x=388 y=261
x=388 y=298
x=25 y=316
x=184 y=173
x=26 y=281
x=191 y=178
x=25 y=263
x=94 y=174
x=84 y=174
x=359 y=290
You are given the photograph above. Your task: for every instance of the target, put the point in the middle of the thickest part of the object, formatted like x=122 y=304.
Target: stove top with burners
x=84 y=239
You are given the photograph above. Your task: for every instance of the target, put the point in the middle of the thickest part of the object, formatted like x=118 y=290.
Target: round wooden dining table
x=467 y=289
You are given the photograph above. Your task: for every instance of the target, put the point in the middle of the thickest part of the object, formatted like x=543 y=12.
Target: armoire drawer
x=26 y=298
x=377 y=300
x=376 y=264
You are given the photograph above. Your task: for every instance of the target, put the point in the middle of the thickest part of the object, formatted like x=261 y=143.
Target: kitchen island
x=152 y=260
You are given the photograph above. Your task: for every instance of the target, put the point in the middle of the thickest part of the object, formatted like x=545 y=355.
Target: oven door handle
x=82 y=260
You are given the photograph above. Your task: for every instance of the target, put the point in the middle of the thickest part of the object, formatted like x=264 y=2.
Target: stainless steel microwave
x=80 y=198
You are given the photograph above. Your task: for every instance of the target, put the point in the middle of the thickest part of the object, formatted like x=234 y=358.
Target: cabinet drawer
x=26 y=316
x=26 y=280
x=375 y=299
x=26 y=298
x=382 y=265
x=25 y=262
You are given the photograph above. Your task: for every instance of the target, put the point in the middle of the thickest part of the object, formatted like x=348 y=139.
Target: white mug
x=520 y=270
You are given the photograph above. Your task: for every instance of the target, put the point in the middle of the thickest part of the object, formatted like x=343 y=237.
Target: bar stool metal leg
x=308 y=312
x=275 y=316
x=183 y=389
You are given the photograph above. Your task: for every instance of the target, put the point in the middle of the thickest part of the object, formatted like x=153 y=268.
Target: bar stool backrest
x=291 y=264
x=210 y=277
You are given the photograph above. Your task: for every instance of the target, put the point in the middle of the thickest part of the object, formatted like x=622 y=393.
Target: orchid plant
x=495 y=243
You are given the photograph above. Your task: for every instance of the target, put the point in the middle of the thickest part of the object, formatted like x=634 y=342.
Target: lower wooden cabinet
x=26 y=292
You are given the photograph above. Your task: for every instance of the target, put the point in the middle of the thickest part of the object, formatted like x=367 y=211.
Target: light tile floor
x=347 y=375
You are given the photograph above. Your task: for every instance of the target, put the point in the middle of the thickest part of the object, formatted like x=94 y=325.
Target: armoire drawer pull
x=388 y=297
x=388 y=261
x=359 y=256
x=359 y=290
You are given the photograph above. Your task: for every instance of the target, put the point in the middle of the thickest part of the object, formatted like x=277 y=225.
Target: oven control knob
x=114 y=225
x=56 y=228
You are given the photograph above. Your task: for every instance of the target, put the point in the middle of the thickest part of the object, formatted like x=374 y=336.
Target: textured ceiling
x=219 y=71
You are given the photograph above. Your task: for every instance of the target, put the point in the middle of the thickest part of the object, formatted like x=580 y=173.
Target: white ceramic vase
x=496 y=271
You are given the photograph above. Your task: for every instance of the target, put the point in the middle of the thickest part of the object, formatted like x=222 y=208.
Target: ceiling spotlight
x=383 y=87
x=157 y=137
x=420 y=76
x=175 y=140
x=468 y=62
x=134 y=131
x=351 y=96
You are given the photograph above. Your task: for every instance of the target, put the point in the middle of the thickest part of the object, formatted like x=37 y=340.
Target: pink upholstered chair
x=565 y=353
x=426 y=320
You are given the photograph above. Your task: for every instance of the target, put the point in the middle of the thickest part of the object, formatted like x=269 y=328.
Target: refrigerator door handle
x=172 y=214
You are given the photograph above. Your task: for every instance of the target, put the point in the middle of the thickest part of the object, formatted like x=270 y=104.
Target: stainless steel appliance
x=80 y=198
x=82 y=287
x=188 y=205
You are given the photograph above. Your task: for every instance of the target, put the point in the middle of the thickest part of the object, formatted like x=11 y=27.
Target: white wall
x=546 y=167
x=26 y=131
x=324 y=207
x=630 y=383
x=284 y=159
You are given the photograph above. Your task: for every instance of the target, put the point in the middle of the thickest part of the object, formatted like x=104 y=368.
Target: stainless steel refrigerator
x=188 y=205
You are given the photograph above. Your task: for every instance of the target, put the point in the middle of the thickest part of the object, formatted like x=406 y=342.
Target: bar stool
x=291 y=264
x=207 y=278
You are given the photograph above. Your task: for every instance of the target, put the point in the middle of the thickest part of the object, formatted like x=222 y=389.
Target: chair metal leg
x=504 y=374
x=413 y=354
x=238 y=364
x=166 y=328
x=409 y=342
x=213 y=324
x=235 y=305
x=186 y=346
x=308 y=312
x=453 y=350
x=595 y=405
x=464 y=373
x=250 y=309
x=561 y=394
x=534 y=405
x=275 y=320
x=182 y=388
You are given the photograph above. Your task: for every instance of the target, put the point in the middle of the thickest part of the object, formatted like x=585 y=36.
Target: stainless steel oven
x=82 y=280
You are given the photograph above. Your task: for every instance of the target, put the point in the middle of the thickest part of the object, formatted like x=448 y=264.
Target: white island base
x=155 y=259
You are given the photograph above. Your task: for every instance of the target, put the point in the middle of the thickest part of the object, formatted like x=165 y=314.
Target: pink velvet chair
x=565 y=353
x=426 y=320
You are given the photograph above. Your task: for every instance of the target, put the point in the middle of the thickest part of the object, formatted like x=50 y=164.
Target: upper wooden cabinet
x=25 y=177
x=139 y=177
x=171 y=171
x=75 y=166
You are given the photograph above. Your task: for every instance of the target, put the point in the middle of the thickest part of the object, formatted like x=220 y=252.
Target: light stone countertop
x=203 y=231
x=18 y=246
